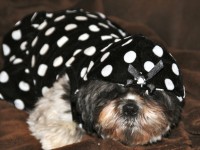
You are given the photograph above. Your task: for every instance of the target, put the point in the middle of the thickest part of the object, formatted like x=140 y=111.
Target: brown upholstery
x=175 y=22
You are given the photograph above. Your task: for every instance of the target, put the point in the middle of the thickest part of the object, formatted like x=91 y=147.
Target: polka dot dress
x=44 y=46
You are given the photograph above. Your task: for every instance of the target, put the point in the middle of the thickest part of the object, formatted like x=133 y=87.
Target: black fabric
x=43 y=46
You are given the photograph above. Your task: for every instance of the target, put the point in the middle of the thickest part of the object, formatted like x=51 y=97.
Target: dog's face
x=126 y=114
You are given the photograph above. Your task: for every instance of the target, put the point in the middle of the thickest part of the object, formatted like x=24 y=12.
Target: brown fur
x=149 y=124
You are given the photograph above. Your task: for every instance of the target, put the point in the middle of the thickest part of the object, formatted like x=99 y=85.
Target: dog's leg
x=51 y=120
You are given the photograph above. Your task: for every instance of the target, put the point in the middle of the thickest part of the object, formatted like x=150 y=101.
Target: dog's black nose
x=130 y=109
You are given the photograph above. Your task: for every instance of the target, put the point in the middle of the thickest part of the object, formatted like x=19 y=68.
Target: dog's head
x=128 y=115
x=133 y=93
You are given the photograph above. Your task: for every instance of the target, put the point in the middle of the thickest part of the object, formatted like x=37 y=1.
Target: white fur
x=51 y=120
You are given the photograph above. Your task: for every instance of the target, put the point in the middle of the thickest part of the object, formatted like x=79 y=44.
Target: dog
x=76 y=73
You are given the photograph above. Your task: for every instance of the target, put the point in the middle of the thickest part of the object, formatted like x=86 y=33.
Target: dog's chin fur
x=100 y=105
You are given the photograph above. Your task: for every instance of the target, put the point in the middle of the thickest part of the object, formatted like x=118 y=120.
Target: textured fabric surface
x=42 y=46
x=175 y=23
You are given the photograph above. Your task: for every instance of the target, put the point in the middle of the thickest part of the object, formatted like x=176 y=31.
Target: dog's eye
x=115 y=93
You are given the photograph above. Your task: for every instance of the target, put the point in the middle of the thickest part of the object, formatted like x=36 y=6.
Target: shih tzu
x=77 y=72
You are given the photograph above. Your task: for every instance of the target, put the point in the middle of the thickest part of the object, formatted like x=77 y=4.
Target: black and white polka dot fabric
x=43 y=46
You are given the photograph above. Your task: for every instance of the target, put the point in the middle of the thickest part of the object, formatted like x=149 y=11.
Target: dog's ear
x=91 y=97
x=170 y=104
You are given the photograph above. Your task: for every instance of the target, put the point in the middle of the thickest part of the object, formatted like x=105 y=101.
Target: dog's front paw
x=56 y=134
x=51 y=120
x=60 y=134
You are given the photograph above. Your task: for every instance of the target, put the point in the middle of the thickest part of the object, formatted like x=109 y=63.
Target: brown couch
x=175 y=22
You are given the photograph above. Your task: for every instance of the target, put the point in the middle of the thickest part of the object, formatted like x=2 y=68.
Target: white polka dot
x=58 y=61
x=17 y=61
x=106 y=37
x=110 y=24
x=23 y=45
x=35 y=25
x=103 y=25
x=57 y=76
x=92 y=16
x=34 y=16
x=122 y=32
x=83 y=72
x=34 y=41
x=70 y=27
x=83 y=37
x=4 y=77
x=105 y=48
x=50 y=31
x=19 y=104
x=127 y=37
x=77 y=52
x=107 y=70
x=6 y=50
x=94 y=28
x=24 y=86
x=33 y=61
x=81 y=18
x=180 y=98
x=148 y=65
x=18 y=23
x=34 y=82
x=126 y=43
x=101 y=15
x=90 y=51
x=42 y=70
x=71 y=11
x=12 y=58
x=158 y=51
x=49 y=15
x=27 y=52
x=175 y=69
x=172 y=57
x=44 y=49
x=59 y=18
x=184 y=93
x=1 y=96
x=117 y=40
x=90 y=66
x=105 y=56
x=45 y=90
x=42 y=25
x=27 y=70
x=69 y=62
x=85 y=78
x=169 y=84
x=16 y=35
x=62 y=41
x=114 y=35
x=130 y=57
